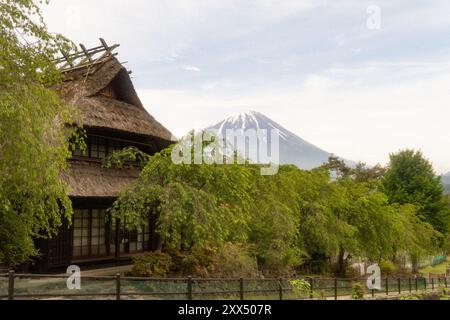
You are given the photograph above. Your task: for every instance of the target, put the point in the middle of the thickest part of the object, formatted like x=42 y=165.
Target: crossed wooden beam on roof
x=86 y=57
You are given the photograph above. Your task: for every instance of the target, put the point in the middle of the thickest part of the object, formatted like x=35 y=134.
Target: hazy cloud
x=191 y=68
x=313 y=66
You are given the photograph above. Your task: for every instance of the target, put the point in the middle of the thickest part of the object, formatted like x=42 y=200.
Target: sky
x=360 y=79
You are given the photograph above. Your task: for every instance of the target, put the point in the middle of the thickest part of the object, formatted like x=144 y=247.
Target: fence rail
x=32 y=286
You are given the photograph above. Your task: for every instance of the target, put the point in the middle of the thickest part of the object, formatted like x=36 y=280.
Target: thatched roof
x=102 y=91
x=89 y=179
x=125 y=113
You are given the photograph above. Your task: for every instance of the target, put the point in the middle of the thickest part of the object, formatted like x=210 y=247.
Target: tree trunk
x=341 y=264
x=415 y=263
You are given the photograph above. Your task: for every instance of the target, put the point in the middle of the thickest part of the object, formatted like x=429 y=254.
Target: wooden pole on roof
x=67 y=58
x=105 y=45
x=86 y=53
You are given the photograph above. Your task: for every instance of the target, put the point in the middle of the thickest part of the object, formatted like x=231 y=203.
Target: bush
x=358 y=292
x=388 y=268
x=301 y=288
x=444 y=295
x=199 y=262
x=152 y=264
x=412 y=297
x=234 y=261
x=279 y=260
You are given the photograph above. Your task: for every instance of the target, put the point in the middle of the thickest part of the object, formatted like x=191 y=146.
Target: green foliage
x=236 y=261
x=130 y=157
x=199 y=261
x=33 y=132
x=15 y=243
x=363 y=173
x=410 y=179
x=444 y=295
x=301 y=288
x=152 y=264
x=196 y=204
x=285 y=219
x=27 y=47
x=344 y=216
x=388 y=268
x=275 y=220
x=411 y=297
x=358 y=292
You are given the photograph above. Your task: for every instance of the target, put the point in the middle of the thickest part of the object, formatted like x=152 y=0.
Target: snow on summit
x=293 y=149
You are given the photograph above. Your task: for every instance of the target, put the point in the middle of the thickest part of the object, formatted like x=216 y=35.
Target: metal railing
x=32 y=286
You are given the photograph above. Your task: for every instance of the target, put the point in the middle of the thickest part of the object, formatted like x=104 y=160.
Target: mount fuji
x=293 y=149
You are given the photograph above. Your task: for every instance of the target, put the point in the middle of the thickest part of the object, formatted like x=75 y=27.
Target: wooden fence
x=29 y=286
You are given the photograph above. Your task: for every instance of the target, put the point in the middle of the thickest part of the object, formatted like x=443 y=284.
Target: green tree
x=33 y=135
x=369 y=225
x=196 y=205
x=410 y=179
x=284 y=219
x=211 y=205
x=274 y=226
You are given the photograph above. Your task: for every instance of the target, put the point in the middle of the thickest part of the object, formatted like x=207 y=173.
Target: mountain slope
x=446 y=182
x=293 y=149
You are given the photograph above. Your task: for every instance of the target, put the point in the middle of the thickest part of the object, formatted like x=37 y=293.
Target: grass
x=437 y=269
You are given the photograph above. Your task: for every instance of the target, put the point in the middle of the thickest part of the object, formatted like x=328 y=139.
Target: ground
x=438 y=269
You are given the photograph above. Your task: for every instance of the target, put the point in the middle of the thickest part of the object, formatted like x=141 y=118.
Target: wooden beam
x=67 y=58
x=105 y=45
x=85 y=57
x=81 y=66
x=86 y=53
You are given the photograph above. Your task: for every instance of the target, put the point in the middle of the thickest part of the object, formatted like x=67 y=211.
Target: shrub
x=199 y=262
x=301 y=288
x=444 y=295
x=388 y=268
x=234 y=261
x=152 y=264
x=413 y=297
x=358 y=292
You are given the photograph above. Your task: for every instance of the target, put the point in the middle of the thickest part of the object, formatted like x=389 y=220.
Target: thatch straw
x=122 y=113
x=126 y=114
x=89 y=179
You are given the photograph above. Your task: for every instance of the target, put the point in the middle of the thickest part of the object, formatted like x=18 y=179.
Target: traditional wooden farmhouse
x=112 y=115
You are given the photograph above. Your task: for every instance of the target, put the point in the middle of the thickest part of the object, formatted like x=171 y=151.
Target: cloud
x=191 y=68
x=363 y=121
x=312 y=65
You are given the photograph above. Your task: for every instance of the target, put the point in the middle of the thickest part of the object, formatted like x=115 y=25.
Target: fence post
x=280 y=288
x=189 y=288
x=425 y=283
x=311 y=284
x=417 y=285
x=335 y=289
x=11 y=285
x=410 y=285
x=432 y=283
x=387 y=286
x=445 y=279
x=118 y=286
x=399 y=281
x=241 y=289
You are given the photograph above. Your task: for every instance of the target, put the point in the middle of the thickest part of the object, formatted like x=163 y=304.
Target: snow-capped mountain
x=293 y=149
